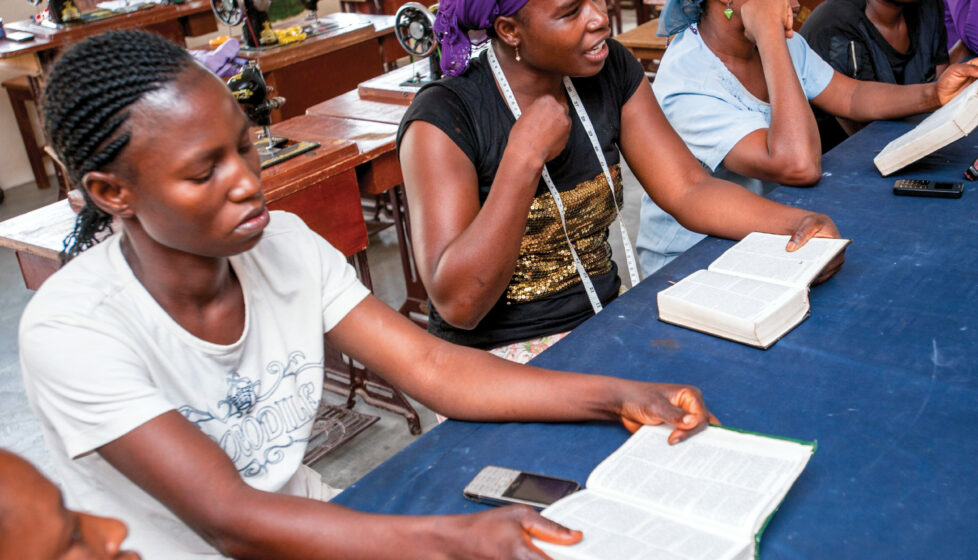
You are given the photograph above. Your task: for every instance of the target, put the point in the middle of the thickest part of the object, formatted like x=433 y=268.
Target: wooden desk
x=375 y=162
x=390 y=87
x=377 y=6
x=385 y=178
x=175 y=22
x=350 y=106
x=645 y=45
x=325 y=65
x=36 y=238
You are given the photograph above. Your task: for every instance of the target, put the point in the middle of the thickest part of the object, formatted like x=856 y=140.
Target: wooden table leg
x=415 y=306
x=21 y=94
x=35 y=269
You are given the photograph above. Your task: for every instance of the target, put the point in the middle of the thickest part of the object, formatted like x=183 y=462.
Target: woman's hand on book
x=506 y=532
x=681 y=406
x=954 y=79
x=817 y=225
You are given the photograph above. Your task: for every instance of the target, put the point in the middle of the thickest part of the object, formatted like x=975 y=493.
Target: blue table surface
x=882 y=375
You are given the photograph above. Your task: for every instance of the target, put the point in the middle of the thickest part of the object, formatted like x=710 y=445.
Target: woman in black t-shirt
x=488 y=240
x=909 y=46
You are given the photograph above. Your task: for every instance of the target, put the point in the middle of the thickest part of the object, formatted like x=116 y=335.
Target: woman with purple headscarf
x=503 y=268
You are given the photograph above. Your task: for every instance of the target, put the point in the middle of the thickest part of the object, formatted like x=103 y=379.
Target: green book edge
x=813 y=444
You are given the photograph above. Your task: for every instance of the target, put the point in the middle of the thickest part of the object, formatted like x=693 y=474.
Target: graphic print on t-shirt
x=261 y=417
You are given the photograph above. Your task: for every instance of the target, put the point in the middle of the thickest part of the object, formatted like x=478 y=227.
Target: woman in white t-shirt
x=176 y=367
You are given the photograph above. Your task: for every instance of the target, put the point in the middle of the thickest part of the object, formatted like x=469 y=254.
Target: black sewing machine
x=63 y=11
x=67 y=12
x=414 y=29
x=313 y=25
x=257 y=30
x=251 y=92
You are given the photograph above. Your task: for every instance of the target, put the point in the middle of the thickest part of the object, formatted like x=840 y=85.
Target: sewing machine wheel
x=413 y=27
x=229 y=12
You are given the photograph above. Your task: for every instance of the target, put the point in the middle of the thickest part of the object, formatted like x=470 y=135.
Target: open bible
x=753 y=293
x=954 y=120
x=707 y=498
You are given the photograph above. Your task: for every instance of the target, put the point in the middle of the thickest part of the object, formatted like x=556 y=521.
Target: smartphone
x=501 y=486
x=20 y=36
x=916 y=187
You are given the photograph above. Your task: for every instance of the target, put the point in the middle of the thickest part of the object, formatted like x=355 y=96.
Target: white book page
x=763 y=256
x=742 y=298
x=618 y=531
x=717 y=476
x=729 y=306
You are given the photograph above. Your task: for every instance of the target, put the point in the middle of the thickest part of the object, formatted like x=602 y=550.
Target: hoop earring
x=517 y=49
x=729 y=11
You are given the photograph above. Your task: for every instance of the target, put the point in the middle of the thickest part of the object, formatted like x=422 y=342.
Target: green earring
x=729 y=11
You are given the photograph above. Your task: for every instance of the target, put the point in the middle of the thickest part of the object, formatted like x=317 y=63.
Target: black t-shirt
x=841 y=33
x=545 y=295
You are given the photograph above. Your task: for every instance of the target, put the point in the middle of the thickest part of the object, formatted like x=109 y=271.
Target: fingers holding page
x=830 y=269
x=681 y=406
x=696 y=416
x=811 y=225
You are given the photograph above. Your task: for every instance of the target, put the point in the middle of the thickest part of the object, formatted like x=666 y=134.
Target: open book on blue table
x=707 y=498
x=753 y=293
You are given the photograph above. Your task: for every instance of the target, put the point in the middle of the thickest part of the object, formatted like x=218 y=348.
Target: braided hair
x=85 y=101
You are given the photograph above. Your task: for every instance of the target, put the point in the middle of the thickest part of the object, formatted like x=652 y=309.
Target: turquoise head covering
x=677 y=15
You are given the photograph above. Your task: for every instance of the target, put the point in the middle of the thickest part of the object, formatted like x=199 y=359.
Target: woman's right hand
x=817 y=225
x=542 y=130
x=762 y=15
x=505 y=532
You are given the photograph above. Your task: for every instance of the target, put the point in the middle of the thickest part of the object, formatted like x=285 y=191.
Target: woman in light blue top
x=736 y=83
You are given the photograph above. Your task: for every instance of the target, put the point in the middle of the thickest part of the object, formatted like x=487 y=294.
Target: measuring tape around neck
x=595 y=144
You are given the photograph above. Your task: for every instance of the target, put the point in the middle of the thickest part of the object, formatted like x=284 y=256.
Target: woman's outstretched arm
x=682 y=187
x=870 y=101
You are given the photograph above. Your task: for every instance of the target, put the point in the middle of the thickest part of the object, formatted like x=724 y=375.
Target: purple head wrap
x=454 y=21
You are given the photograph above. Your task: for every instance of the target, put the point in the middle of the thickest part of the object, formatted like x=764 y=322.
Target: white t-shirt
x=100 y=357
x=712 y=111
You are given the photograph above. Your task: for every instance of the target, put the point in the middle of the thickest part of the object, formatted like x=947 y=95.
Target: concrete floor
x=21 y=432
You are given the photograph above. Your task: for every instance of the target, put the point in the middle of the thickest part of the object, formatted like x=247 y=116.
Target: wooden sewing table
x=32 y=58
x=175 y=22
x=382 y=100
x=326 y=65
x=647 y=47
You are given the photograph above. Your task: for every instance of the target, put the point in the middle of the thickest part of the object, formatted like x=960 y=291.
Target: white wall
x=14 y=167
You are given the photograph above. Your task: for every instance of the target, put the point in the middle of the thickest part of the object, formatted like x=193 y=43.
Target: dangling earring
x=517 y=48
x=729 y=11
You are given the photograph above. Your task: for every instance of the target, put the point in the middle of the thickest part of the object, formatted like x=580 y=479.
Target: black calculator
x=917 y=187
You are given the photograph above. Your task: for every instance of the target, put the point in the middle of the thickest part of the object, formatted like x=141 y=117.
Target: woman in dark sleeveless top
x=488 y=239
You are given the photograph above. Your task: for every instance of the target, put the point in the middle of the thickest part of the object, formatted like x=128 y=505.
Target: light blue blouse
x=712 y=111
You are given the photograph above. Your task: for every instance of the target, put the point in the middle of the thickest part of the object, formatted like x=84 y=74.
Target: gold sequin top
x=545 y=265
